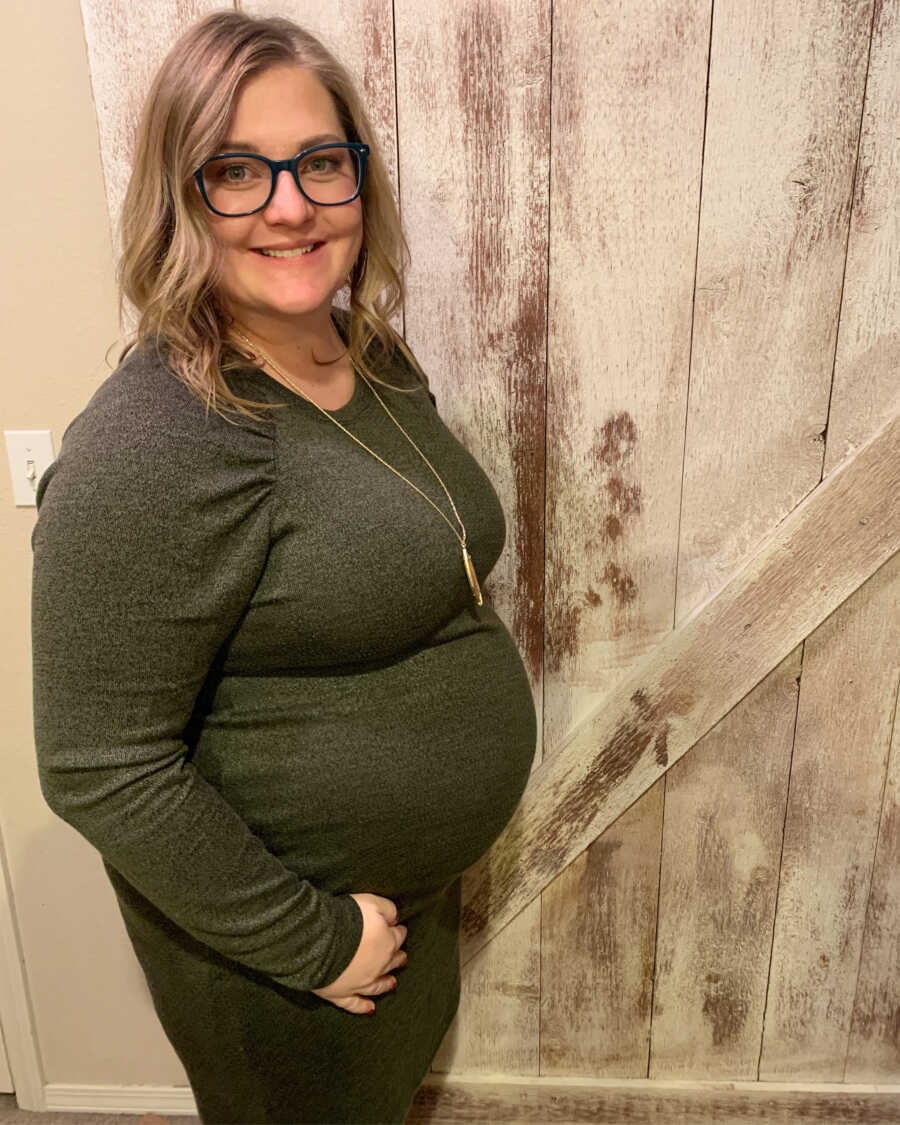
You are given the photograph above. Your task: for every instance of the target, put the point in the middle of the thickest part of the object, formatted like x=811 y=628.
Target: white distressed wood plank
x=767 y=242
x=867 y=354
x=721 y=855
x=497 y=1027
x=628 y=106
x=874 y=1051
x=629 y=86
x=473 y=120
x=786 y=87
x=596 y=987
x=815 y=1033
x=849 y=685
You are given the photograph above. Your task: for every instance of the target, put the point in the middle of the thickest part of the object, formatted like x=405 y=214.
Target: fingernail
x=369 y=1011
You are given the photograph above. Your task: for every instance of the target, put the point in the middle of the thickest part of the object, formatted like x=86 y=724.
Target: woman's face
x=278 y=113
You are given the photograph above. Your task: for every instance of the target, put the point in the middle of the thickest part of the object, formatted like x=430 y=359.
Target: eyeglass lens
x=237 y=184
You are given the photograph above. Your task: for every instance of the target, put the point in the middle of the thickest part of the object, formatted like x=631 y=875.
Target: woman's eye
x=317 y=165
x=233 y=173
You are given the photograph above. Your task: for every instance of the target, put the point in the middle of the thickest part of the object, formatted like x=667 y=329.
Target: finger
x=400 y=934
x=398 y=960
x=377 y=987
x=358 y=1005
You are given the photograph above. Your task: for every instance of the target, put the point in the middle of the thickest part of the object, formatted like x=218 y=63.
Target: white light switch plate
x=30 y=452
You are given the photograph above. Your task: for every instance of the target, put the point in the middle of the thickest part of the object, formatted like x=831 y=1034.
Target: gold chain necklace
x=466 y=557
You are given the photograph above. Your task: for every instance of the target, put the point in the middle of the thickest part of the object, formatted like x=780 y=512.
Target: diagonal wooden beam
x=834 y=540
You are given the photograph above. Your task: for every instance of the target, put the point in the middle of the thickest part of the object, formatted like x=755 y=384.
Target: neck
x=295 y=346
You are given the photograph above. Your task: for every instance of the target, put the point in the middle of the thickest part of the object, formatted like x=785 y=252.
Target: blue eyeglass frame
x=276 y=167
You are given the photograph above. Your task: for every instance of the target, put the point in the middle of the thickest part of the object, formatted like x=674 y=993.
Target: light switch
x=30 y=452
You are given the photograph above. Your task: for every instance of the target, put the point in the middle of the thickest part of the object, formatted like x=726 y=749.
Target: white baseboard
x=175 y=1100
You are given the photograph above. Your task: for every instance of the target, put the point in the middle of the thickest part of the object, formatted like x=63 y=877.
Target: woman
x=268 y=688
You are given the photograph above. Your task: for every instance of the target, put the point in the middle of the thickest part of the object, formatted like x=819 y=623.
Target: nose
x=288 y=204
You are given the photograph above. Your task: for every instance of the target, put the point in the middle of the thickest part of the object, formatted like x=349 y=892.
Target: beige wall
x=60 y=319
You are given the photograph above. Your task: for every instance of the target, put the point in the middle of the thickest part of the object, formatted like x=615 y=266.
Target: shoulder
x=144 y=428
x=144 y=401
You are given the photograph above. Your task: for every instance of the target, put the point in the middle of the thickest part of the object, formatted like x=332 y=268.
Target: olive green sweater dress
x=261 y=682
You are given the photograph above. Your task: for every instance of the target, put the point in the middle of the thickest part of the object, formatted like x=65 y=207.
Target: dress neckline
x=360 y=401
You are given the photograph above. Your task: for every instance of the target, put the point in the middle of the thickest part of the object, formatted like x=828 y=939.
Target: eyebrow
x=247 y=146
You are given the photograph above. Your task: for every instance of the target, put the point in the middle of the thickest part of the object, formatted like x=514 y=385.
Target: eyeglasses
x=242 y=183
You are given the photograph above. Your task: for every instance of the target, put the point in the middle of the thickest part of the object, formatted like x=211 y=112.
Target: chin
x=298 y=305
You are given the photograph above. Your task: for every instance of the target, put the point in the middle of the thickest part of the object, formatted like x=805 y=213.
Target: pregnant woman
x=268 y=686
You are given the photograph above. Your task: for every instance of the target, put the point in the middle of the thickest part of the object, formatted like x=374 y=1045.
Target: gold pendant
x=472 y=576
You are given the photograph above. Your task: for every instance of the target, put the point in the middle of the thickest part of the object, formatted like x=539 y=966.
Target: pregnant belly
x=391 y=780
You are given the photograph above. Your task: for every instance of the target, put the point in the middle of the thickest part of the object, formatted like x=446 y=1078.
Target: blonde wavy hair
x=170 y=265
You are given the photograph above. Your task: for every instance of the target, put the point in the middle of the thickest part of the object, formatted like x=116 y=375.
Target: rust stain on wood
x=605 y=520
x=616 y=440
x=485 y=114
x=725 y=1005
x=612 y=450
x=562 y=610
x=626 y=499
x=527 y=445
x=620 y=582
x=379 y=53
x=648 y=726
x=661 y=747
x=563 y=614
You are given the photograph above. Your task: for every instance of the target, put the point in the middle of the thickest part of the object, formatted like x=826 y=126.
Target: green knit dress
x=261 y=683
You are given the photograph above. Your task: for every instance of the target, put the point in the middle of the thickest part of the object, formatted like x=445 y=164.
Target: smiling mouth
x=299 y=252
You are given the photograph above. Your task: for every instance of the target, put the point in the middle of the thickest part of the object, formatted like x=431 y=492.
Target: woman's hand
x=379 y=951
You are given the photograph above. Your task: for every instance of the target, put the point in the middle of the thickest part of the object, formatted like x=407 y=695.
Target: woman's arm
x=152 y=533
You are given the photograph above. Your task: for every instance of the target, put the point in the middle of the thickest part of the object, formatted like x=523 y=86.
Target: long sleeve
x=152 y=534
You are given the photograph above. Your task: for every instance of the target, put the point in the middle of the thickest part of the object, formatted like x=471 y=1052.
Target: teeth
x=288 y=253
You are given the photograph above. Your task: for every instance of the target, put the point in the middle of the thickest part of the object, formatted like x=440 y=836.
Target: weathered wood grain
x=867 y=352
x=786 y=97
x=556 y=1101
x=473 y=127
x=777 y=181
x=832 y=822
x=721 y=854
x=596 y=988
x=823 y=551
x=497 y=1027
x=627 y=149
x=850 y=669
x=874 y=1053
